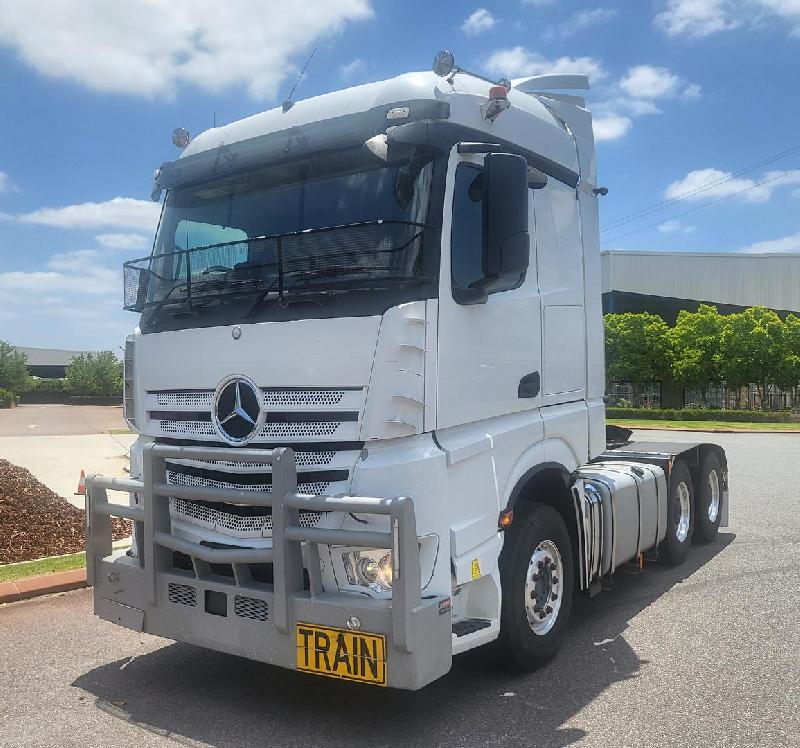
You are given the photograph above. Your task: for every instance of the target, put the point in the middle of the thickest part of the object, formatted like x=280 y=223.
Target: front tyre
x=680 y=515
x=709 y=499
x=537 y=578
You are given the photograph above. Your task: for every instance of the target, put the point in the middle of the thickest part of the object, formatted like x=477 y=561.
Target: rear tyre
x=680 y=515
x=708 y=495
x=536 y=574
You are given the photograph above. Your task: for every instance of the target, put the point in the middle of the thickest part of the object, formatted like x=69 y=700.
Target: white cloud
x=6 y=185
x=579 y=21
x=786 y=244
x=66 y=272
x=610 y=127
x=673 y=225
x=48 y=306
x=151 y=47
x=701 y=18
x=518 y=61
x=478 y=22
x=650 y=82
x=704 y=184
x=697 y=18
x=352 y=69
x=635 y=95
x=124 y=241
x=121 y=212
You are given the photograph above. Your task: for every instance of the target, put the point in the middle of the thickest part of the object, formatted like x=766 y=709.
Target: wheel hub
x=683 y=511
x=543 y=587
x=713 y=496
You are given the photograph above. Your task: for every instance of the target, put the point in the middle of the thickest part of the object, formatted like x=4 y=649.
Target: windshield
x=330 y=224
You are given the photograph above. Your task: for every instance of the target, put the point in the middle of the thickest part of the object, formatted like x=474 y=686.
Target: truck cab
x=367 y=375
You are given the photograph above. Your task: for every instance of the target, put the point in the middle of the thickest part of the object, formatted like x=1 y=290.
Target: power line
x=700 y=207
x=642 y=213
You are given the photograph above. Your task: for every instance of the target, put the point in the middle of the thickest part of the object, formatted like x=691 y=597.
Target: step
x=470 y=626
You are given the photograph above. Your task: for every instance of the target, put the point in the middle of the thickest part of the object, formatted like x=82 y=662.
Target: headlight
x=369 y=568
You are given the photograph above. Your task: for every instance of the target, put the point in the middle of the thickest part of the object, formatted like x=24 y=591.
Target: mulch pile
x=35 y=522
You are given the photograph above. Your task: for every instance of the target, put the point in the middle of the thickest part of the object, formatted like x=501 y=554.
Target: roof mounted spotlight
x=181 y=137
x=444 y=65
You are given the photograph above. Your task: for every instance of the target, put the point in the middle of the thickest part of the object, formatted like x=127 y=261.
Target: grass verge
x=643 y=423
x=120 y=431
x=11 y=572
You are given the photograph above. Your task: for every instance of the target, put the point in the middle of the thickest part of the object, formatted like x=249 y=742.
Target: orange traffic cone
x=81 y=485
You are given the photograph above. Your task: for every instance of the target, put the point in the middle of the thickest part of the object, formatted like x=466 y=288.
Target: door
x=489 y=355
x=559 y=261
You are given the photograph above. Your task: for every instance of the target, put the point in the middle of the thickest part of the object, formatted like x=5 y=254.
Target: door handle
x=529 y=385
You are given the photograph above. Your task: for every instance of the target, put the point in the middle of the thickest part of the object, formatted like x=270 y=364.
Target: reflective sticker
x=476 y=569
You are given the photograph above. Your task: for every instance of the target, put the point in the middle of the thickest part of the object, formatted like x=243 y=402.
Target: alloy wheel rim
x=544 y=583
x=713 y=496
x=683 y=510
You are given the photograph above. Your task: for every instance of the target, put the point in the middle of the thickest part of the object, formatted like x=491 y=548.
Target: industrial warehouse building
x=663 y=283
x=666 y=282
x=48 y=363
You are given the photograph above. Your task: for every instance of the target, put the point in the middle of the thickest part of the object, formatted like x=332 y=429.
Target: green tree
x=13 y=371
x=789 y=374
x=695 y=342
x=637 y=347
x=95 y=374
x=752 y=349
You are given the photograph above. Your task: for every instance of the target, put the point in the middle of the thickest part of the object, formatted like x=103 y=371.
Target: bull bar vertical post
x=156 y=519
x=98 y=526
x=287 y=556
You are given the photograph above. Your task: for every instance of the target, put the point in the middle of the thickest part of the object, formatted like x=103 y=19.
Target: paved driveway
x=704 y=655
x=56 y=442
x=52 y=420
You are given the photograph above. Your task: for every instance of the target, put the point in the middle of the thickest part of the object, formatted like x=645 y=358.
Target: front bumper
x=254 y=619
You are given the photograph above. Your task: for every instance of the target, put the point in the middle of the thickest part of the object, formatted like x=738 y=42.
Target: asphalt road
x=704 y=655
x=60 y=420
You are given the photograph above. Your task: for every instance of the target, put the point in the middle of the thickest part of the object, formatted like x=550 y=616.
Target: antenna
x=288 y=103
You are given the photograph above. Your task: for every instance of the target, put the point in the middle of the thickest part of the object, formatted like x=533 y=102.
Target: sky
x=695 y=105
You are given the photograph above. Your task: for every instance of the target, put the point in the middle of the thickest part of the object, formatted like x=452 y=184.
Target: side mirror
x=506 y=241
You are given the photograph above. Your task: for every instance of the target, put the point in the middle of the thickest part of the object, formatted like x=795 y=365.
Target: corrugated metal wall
x=739 y=279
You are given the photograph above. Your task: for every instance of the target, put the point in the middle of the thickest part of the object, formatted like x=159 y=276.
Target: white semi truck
x=368 y=381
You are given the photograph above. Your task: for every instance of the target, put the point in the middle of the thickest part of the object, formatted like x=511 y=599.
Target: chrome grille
x=182 y=479
x=250 y=607
x=294 y=430
x=184 y=399
x=301 y=459
x=255 y=524
x=187 y=428
x=303 y=397
x=182 y=594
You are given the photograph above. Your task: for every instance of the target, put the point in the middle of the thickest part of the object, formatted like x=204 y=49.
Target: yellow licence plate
x=341 y=653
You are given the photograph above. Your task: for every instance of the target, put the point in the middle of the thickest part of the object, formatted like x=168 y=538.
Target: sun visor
x=336 y=133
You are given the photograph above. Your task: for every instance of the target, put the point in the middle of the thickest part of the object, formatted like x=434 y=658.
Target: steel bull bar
x=249 y=618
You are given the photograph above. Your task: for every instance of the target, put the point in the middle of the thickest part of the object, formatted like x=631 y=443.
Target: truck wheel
x=536 y=574
x=680 y=515
x=709 y=499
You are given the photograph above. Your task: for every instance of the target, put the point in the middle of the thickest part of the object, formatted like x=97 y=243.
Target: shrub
x=7 y=399
x=703 y=414
x=48 y=385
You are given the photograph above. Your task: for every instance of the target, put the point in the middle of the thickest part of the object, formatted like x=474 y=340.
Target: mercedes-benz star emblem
x=237 y=410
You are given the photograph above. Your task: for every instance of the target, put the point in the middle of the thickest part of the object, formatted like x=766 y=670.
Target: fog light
x=369 y=568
